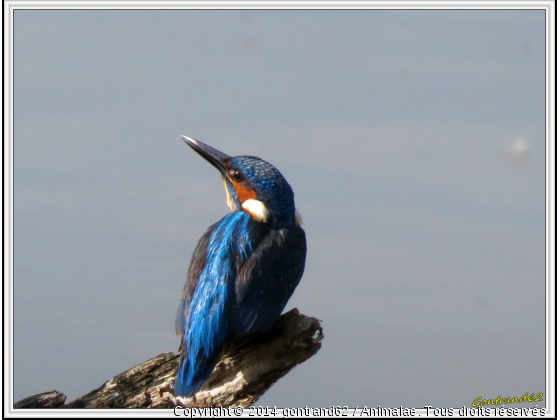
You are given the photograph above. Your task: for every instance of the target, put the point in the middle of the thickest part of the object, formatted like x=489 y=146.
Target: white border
x=278 y=4
x=10 y=5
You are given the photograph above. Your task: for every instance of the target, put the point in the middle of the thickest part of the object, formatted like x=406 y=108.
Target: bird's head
x=252 y=185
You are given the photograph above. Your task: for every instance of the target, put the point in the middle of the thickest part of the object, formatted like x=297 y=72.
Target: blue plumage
x=244 y=268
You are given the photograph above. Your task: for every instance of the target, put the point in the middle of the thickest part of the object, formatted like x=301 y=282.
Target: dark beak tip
x=190 y=141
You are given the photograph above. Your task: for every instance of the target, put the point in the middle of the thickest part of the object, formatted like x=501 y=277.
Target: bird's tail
x=193 y=372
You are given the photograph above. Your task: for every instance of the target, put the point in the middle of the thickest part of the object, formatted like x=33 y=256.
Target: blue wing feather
x=202 y=314
x=198 y=262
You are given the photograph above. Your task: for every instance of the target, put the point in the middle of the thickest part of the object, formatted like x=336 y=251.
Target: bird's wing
x=198 y=262
x=266 y=280
x=203 y=311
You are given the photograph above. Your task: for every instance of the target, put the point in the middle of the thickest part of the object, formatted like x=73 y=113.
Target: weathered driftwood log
x=49 y=399
x=245 y=371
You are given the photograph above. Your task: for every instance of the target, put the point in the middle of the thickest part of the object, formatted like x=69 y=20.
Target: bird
x=244 y=268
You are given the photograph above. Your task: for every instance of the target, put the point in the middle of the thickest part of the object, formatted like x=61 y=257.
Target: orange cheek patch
x=244 y=193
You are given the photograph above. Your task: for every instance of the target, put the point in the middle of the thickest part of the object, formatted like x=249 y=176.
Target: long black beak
x=215 y=157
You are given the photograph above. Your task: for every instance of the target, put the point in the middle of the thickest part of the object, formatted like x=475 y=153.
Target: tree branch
x=245 y=371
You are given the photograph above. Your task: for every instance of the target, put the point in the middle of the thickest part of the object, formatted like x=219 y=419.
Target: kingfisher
x=244 y=268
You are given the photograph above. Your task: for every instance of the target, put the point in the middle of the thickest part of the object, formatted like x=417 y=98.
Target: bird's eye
x=235 y=175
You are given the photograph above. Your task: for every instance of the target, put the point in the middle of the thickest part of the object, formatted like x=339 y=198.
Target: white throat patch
x=230 y=202
x=256 y=209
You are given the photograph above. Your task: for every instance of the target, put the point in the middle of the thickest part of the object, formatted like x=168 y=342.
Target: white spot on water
x=519 y=149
